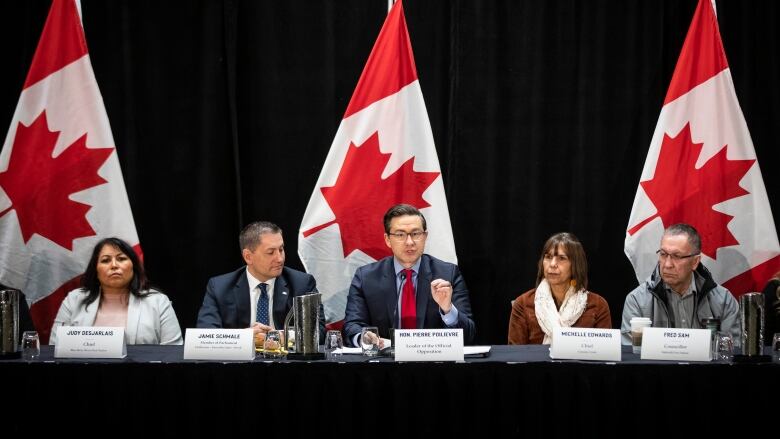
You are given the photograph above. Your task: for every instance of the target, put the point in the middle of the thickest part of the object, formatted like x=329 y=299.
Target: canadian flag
x=61 y=186
x=701 y=169
x=383 y=154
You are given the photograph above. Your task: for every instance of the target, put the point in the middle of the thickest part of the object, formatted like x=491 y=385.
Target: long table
x=517 y=390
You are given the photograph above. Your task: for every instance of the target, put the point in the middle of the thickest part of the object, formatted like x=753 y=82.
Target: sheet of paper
x=357 y=351
x=475 y=350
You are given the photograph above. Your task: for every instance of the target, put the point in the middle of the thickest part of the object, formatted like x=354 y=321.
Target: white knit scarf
x=550 y=317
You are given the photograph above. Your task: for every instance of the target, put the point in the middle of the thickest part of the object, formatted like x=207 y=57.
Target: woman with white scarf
x=561 y=297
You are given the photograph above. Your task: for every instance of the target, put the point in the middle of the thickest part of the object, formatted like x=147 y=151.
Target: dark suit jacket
x=373 y=297
x=226 y=304
x=771 y=309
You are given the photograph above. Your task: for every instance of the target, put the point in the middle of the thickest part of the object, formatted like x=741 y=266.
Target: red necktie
x=408 y=304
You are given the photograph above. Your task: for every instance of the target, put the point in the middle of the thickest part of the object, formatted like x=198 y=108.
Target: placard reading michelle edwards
x=586 y=344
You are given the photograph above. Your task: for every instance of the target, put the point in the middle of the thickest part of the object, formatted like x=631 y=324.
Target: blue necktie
x=262 y=304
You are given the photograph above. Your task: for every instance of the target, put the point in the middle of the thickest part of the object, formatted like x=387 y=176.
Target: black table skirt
x=516 y=391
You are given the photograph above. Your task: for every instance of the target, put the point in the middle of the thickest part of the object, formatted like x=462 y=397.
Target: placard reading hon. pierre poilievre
x=428 y=344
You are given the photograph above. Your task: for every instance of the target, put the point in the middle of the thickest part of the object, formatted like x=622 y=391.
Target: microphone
x=390 y=351
x=396 y=317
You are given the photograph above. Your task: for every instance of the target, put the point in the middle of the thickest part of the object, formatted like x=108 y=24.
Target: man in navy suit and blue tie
x=260 y=294
x=409 y=290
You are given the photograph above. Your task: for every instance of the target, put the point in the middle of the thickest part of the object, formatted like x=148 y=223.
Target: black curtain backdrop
x=542 y=112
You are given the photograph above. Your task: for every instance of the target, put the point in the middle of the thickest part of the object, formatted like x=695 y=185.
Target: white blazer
x=150 y=319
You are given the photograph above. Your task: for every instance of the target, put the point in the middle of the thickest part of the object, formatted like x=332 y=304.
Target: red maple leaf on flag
x=40 y=185
x=683 y=194
x=360 y=197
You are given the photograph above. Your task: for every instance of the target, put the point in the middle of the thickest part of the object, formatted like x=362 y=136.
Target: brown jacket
x=524 y=327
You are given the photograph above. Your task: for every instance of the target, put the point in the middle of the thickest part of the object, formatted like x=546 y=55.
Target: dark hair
x=402 y=210
x=685 y=229
x=250 y=236
x=89 y=280
x=576 y=254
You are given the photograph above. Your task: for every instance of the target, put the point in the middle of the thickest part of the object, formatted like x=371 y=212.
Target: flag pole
x=78 y=8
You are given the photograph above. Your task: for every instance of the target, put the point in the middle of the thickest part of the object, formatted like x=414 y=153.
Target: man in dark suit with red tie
x=259 y=294
x=409 y=290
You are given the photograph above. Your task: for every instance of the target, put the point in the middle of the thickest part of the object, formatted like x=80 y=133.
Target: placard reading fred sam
x=428 y=344
x=675 y=344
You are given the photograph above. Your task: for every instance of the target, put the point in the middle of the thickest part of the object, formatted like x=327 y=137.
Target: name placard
x=675 y=344
x=90 y=342
x=586 y=344
x=219 y=344
x=428 y=344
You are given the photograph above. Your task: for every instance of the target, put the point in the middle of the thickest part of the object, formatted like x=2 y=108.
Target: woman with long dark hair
x=115 y=292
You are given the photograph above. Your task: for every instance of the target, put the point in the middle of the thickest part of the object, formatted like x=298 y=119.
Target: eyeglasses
x=401 y=236
x=675 y=258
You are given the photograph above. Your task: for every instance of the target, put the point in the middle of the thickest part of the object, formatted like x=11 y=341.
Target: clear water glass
x=724 y=346
x=273 y=345
x=333 y=345
x=369 y=341
x=31 y=346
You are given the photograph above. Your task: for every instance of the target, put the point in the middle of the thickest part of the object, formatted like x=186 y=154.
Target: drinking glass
x=724 y=347
x=259 y=340
x=333 y=345
x=369 y=341
x=31 y=346
x=273 y=346
x=776 y=345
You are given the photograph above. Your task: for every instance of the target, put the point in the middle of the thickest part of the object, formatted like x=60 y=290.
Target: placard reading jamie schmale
x=675 y=344
x=428 y=344
x=585 y=344
x=90 y=342
x=219 y=344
